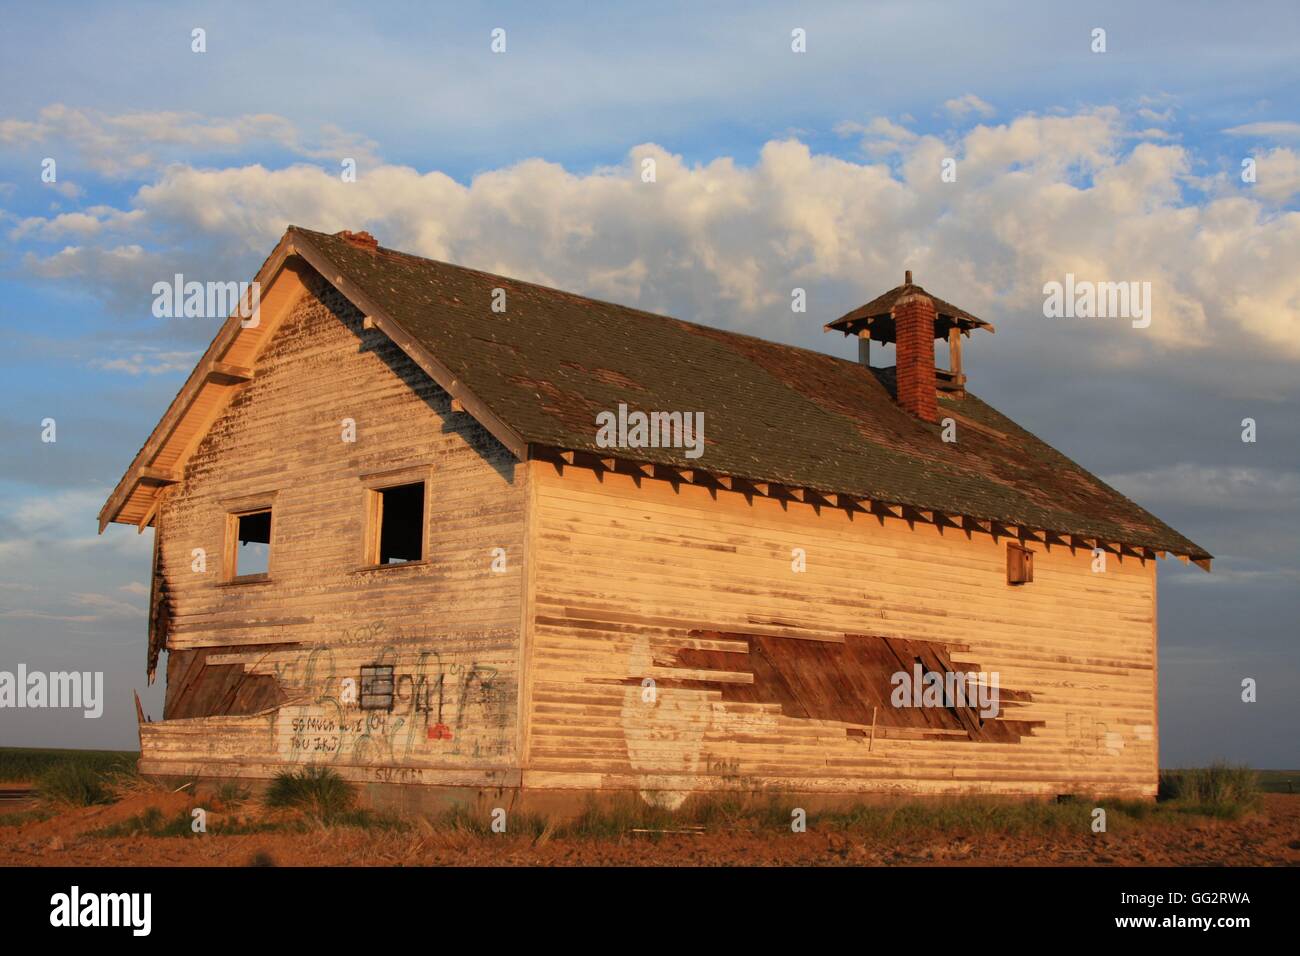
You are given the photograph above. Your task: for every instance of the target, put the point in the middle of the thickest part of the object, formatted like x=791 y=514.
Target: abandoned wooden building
x=388 y=539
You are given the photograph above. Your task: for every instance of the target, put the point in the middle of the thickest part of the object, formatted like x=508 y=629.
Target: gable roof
x=537 y=374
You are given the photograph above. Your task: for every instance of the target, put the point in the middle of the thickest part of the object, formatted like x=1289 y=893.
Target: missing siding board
x=851 y=683
x=1020 y=564
x=377 y=683
x=196 y=688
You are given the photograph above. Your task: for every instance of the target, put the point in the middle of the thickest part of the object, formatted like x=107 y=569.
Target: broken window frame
x=374 y=487
x=230 y=558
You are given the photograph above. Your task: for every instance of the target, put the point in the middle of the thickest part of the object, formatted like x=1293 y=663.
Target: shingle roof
x=772 y=413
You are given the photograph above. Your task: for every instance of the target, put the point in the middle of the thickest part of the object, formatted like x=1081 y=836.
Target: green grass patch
x=317 y=791
x=73 y=784
x=30 y=763
x=1209 y=793
x=1279 y=781
x=462 y=819
x=372 y=820
x=232 y=794
x=17 y=818
x=957 y=816
x=1220 y=790
x=153 y=822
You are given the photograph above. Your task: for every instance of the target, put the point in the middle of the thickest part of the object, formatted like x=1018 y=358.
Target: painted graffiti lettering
x=414 y=702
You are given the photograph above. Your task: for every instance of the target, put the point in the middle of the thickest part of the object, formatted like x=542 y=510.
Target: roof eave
x=767 y=486
x=175 y=413
x=294 y=242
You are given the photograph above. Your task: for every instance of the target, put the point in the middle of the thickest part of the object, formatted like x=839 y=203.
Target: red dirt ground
x=1269 y=837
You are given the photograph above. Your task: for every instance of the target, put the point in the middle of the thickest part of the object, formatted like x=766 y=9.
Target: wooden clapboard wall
x=685 y=587
x=762 y=676
x=256 y=672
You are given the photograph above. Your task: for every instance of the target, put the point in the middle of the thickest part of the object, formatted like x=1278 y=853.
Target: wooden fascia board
x=175 y=413
x=414 y=349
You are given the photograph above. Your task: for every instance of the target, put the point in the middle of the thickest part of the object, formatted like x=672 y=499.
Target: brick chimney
x=910 y=318
x=914 y=318
x=362 y=240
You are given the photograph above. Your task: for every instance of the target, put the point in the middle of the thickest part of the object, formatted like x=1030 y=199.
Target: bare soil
x=1268 y=837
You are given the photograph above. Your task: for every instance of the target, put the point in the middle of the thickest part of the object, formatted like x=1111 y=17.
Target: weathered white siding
x=625 y=574
x=608 y=582
x=450 y=626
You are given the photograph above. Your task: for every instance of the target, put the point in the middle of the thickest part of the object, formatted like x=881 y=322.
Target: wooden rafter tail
x=709 y=480
x=943 y=519
x=668 y=473
x=1202 y=563
x=886 y=510
x=853 y=503
x=817 y=499
x=158 y=476
x=148 y=516
x=915 y=515
x=748 y=488
x=547 y=454
x=226 y=373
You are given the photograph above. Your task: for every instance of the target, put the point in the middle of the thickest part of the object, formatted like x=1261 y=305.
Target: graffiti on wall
x=382 y=696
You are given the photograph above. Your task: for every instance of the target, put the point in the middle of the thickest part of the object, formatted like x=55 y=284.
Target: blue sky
x=816 y=170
